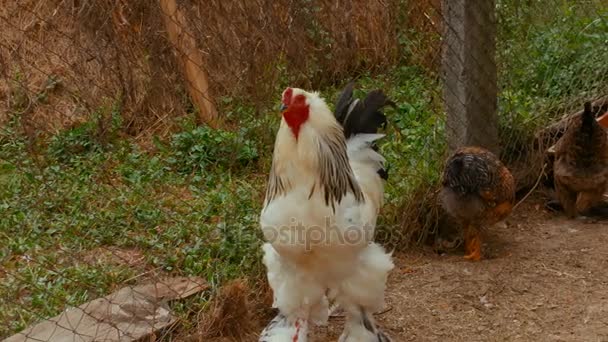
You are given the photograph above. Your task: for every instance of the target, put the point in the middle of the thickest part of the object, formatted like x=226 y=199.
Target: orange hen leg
x=472 y=240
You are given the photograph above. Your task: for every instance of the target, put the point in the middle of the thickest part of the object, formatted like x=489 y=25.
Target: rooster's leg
x=360 y=326
x=299 y=298
x=472 y=240
x=362 y=293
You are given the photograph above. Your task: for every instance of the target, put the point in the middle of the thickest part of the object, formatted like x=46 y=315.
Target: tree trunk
x=191 y=60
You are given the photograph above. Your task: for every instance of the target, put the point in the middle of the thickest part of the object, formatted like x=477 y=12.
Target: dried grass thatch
x=230 y=317
x=104 y=54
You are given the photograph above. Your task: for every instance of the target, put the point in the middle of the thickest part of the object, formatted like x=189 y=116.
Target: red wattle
x=296 y=114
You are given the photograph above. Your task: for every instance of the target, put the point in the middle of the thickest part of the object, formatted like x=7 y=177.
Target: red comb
x=287 y=94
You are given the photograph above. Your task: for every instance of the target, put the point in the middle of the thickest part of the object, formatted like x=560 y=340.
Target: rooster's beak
x=282 y=107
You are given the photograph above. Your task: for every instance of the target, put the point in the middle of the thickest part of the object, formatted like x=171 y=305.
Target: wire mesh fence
x=137 y=136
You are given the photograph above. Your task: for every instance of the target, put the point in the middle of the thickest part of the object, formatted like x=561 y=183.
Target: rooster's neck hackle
x=317 y=152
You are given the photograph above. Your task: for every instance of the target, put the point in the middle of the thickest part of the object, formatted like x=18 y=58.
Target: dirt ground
x=544 y=279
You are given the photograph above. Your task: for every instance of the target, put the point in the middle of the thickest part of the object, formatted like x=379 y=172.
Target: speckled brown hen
x=478 y=191
x=581 y=164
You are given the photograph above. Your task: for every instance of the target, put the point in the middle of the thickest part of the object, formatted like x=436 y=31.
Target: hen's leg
x=362 y=293
x=297 y=296
x=588 y=200
x=472 y=240
x=566 y=197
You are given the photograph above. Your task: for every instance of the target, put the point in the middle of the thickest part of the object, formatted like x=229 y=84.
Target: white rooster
x=325 y=189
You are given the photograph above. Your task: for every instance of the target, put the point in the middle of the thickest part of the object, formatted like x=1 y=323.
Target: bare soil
x=544 y=279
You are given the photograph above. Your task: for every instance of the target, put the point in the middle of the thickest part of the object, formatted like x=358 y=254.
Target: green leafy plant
x=76 y=141
x=203 y=147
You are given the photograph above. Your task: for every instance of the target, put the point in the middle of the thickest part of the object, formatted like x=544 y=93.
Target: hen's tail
x=589 y=136
x=361 y=121
x=588 y=119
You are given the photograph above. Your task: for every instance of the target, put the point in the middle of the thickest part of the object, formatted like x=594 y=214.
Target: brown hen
x=478 y=191
x=581 y=164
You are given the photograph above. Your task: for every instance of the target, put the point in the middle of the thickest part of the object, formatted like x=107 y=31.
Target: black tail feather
x=383 y=173
x=344 y=102
x=365 y=116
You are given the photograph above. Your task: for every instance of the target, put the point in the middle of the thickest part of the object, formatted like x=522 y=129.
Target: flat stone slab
x=132 y=313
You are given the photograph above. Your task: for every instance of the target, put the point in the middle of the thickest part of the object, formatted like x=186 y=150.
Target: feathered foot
x=360 y=327
x=472 y=240
x=281 y=330
x=363 y=293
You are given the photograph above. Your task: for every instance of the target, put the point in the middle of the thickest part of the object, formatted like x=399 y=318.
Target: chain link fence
x=136 y=137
